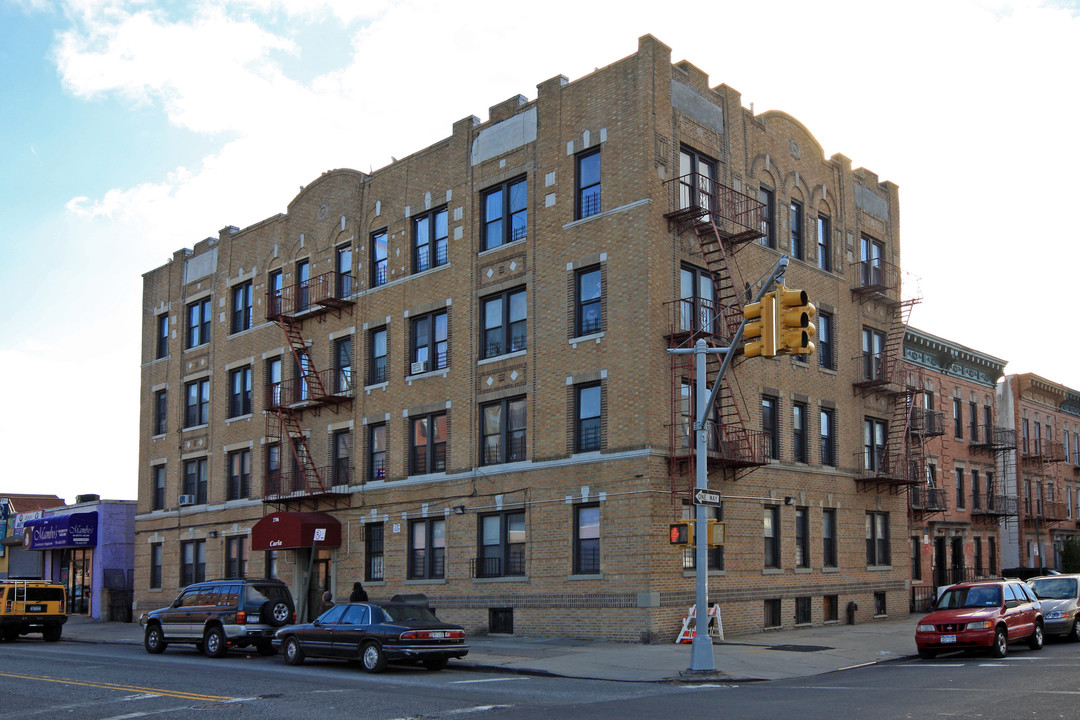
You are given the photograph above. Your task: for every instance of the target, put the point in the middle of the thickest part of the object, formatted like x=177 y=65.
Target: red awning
x=282 y=530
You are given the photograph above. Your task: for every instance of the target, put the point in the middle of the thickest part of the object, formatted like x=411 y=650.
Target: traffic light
x=717 y=533
x=794 y=330
x=760 y=329
x=682 y=533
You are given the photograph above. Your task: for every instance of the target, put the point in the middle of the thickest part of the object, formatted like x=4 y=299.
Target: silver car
x=1060 y=596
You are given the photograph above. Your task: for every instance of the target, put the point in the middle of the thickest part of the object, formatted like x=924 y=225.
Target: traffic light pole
x=701 y=651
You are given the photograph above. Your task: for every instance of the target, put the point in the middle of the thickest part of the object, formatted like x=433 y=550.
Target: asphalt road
x=119 y=682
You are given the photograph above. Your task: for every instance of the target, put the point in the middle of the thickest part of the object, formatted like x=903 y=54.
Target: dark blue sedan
x=375 y=634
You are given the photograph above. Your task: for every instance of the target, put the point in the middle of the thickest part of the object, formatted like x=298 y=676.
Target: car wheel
x=214 y=643
x=292 y=652
x=435 y=663
x=265 y=648
x=52 y=633
x=1035 y=642
x=275 y=613
x=1001 y=644
x=372 y=658
x=927 y=654
x=1074 y=634
x=154 y=640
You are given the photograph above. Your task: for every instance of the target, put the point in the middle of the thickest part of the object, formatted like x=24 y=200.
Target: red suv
x=984 y=615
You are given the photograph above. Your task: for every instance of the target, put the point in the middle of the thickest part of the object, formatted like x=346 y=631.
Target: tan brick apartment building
x=449 y=376
x=967 y=457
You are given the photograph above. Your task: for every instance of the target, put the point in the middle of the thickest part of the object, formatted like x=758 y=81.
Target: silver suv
x=219 y=614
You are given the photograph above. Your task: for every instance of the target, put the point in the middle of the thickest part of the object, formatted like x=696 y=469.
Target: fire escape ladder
x=309 y=374
x=290 y=420
x=720 y=261
x=893 y=352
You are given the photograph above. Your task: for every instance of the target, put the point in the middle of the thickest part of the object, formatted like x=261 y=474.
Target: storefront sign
x=76 y=530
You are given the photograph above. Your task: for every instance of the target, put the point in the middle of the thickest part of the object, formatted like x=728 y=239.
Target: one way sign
x=706 y=497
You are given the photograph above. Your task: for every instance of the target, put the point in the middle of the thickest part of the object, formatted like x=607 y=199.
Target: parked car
x=1060 y=597
x=983 y=615
x=375 y=634
x=219 y=614
x=32 y=606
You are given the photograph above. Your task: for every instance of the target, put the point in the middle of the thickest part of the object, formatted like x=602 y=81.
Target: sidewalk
x=762 y=656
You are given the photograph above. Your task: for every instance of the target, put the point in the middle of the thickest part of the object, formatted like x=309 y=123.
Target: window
x=973 y=422
x=824 y=243
x=978 y=557
x=802 y=537
x=976 y=497
x=273 y=470
x=826 y=355
x=988 y=426
x=197 y=403
x=798 y=432
x=502 y=545
x=960 y=494
x=373 y=552
x=588 y=409
x=714 y=555
x=828 y=538
x=588 y=306
x=505 y=214
x=588 y=184
x=236 y=557
x=830 y=606
x=158 y=493
x=873 y=352
x=155 y=566
x=341 y=457
x=240 y=391
x=958 y=419
x=195 y=480
x=429 y=342
x=770 y=424
x=377 y=452
x=772 y=613
x=162 y=336
x=880 y=608
x=802 y=611
x=273 y=381
x=697 y=180
x=991 y=546
x=239 y=483
x=428 y=444
x=161 y=412
x=343 y=372
x=828 y=437
x=871 y=256
x=301 y=371
x=796 y=222
x=916 y=560
x=502 y=433
x=697 y=307
x=877 y=538
x=427 y=549
x=430 y=233
x=192 y=562
x=768 y=218
x=874 y=435
x=241 y=307
x=586 y=539
x=772 y=536
x=343 y=265
x=303 y=285
x=273 y=293
x=377 y=356
x=378 y=258
x=504 y=323
x=198 y=323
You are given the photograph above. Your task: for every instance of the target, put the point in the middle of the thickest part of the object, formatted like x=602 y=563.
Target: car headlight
x=984 y=625
x=925 y=628
x=1053 y=615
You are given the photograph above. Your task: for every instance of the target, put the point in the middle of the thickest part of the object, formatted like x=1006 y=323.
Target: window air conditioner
x=419 y=367
x=187 y=499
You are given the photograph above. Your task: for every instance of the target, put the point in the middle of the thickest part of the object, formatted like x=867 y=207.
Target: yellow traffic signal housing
x=717 y=533
x=681 y=533
x=760 y=330
x=794 y=330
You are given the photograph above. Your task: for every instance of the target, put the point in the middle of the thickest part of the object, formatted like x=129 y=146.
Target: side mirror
x=316 y=622
x=1011 y=603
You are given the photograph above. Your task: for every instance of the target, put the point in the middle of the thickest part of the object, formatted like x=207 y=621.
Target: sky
x=131 y=129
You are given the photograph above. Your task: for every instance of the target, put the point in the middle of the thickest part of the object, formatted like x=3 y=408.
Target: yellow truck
x=32 y=606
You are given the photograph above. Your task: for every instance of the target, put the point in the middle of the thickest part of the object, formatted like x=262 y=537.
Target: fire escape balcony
x=693 y=318
x=1042 y=451
x=728 y=446
x=924 y=499
x=994 y=505
x=1044 y=511
x=990 y=437
x=877 y=280
x=321 y=294
x=875 y=370
x=926 y=423
x=279 y=486
x=889 y=469
x=335 y=386
x=698 y=201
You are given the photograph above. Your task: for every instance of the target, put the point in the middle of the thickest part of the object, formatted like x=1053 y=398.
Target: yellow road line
x=129 y=688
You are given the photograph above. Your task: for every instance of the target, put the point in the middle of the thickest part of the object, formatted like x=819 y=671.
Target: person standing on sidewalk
x=359 y=594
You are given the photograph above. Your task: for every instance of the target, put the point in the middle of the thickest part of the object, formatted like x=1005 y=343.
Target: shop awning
x=76 y=530
x=284 y=530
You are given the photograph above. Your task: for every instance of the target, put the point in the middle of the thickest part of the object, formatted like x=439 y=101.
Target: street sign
x=706 y=497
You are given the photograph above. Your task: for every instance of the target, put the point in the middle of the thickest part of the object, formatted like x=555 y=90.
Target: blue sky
x=131 y=129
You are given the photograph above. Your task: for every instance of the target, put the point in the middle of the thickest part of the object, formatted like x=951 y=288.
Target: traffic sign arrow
x=706 y=497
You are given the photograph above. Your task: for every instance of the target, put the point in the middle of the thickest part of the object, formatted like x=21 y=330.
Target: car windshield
x=970 y=597
x=1060 y=588
x=408 y=612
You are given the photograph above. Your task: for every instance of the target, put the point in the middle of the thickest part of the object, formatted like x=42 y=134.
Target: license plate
x=437 y=635
x=946 y=639
x=35 y=608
